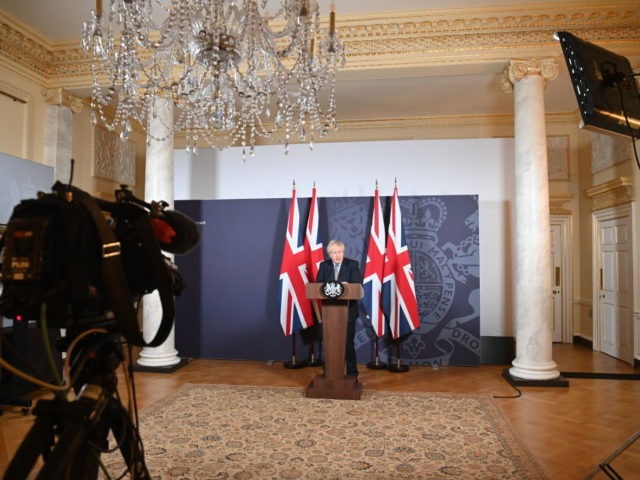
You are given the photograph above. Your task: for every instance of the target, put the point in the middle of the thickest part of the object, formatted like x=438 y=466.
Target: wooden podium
x=334 y=383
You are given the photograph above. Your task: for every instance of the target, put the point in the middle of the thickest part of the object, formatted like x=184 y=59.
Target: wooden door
x=615 y=288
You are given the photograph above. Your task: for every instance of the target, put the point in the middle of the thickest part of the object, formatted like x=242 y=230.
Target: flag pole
x=313 y=361
x=294 y=363
x=403 y=315
x=376 y=364
x=313 y=250
x=374 y=269
x=398 y=367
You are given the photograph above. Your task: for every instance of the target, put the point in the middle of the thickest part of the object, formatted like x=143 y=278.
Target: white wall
x=421 y=167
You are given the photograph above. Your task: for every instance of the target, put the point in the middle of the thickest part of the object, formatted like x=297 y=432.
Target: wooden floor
x=569 y=431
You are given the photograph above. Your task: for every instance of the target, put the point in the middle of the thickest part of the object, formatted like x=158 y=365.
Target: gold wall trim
x=447 y=121
x=424 y=121
x=410 y=128
x=556 y=204
x=618 y=191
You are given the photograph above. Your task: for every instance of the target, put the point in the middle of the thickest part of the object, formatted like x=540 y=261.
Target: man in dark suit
x=344 y=270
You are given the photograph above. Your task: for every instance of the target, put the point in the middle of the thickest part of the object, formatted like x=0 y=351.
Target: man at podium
x=344 y=270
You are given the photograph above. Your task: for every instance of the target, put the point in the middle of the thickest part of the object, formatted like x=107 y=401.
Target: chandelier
x=234 y=70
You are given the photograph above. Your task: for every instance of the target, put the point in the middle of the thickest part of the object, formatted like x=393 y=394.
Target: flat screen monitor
x=605 y=86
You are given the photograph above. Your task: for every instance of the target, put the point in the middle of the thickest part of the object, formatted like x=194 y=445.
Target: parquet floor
x=569 y=431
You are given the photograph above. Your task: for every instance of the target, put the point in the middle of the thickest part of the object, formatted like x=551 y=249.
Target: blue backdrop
x=230 y=308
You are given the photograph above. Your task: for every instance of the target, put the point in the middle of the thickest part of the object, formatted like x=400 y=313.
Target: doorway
x=613 y=283
x=561 y=279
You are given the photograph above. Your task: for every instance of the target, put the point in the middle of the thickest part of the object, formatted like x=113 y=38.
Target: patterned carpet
x=239 y=432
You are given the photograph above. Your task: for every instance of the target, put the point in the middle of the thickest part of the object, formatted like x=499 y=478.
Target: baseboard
x=602 y=376
x=577 y=339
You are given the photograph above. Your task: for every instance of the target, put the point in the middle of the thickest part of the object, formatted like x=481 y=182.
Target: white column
x=59 y=110
x=158 y=186
x=533 y=299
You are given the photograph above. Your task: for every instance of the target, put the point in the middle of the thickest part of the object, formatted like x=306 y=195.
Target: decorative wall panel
x=558 y=157
x=112 y=159
x=608 y=150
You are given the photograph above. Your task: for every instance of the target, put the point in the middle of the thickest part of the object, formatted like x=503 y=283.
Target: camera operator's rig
x=68 y=266
x=71 y=431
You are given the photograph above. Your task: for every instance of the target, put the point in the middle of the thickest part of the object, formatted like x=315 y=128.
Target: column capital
x=62 y=98
x=518 y=69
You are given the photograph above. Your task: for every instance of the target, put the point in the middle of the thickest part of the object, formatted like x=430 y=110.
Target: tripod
x=71 y=435
x=605 y=465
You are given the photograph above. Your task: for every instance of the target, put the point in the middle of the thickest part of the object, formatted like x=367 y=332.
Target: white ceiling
x=376 y=93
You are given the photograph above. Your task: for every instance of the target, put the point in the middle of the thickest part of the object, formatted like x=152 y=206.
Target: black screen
x=604 y=85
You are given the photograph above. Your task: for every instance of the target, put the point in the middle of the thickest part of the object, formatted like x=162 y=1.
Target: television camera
x=75 y=262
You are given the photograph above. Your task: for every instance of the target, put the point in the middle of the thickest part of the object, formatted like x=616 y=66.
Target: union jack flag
x=398 y=290
x=295 y=309
x=374 y=268
x=312 y=243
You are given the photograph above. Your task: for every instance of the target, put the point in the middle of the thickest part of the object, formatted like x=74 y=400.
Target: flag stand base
x=294 y=364
x=398 y=367
x=377 y=365
x=313 y=361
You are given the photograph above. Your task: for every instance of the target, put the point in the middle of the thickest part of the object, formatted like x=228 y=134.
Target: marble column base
x=534 y=371
x=159 y=359
x=151 y=357
x=161 y=368
x=516 y=381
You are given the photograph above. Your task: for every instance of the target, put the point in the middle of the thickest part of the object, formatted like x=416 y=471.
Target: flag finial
x=294 y=183
x=376 y=183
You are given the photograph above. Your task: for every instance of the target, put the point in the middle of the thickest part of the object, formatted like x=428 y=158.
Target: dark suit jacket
x=349 y=272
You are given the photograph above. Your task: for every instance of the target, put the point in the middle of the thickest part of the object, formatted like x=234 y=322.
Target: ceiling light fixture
x=234 y=70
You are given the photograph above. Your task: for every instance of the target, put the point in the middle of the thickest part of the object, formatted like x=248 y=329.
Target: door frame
x=566 y=276
x=619 y=211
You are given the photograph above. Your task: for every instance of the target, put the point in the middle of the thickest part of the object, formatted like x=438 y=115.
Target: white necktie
x=336 y=270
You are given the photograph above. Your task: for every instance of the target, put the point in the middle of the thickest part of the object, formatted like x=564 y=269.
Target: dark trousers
x=350 y=348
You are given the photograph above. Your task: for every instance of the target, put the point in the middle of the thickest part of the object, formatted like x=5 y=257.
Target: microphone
x=176 y=232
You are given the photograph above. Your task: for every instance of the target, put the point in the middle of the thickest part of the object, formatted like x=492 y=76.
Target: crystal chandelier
x=234 y=70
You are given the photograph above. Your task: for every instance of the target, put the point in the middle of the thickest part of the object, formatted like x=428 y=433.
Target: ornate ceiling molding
x=415 y=39
x=24 y=49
